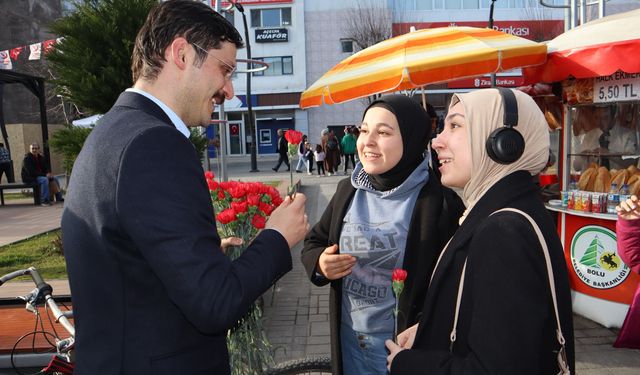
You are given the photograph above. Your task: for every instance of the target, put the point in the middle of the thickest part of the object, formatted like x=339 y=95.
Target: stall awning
x=597 y=48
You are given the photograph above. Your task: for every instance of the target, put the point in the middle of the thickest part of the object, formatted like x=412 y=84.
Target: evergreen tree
x=92 y=64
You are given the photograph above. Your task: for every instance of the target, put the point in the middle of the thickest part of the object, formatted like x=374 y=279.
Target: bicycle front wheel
x=310 y=365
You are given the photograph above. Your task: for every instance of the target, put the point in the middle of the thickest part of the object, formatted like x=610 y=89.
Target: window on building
x=229 y=17
x=278 y=66
x=452 y=4
x=424 y=4
x=347 y=45
x=470 y=4
x=271 y=17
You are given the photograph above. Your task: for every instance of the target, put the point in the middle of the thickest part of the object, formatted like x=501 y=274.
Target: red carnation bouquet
x=242 y=210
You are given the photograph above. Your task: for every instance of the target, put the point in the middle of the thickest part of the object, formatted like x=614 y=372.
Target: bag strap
x=562 y=359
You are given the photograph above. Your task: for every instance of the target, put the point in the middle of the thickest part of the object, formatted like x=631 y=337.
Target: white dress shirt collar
x=177 y=121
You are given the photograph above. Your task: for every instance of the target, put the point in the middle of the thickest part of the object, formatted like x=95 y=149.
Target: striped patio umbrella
x=597 y=48
x=422 y=57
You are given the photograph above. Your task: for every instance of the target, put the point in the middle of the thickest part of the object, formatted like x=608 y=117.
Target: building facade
x=303 y=39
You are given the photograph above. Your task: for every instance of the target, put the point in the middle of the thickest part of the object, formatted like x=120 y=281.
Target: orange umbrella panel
x=422 y=57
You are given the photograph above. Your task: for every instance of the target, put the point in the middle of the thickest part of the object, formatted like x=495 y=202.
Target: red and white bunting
x=47 y=45
x=36 y=49
x=15 y=52
x=5 y=60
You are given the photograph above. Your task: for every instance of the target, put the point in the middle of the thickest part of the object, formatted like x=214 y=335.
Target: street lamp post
x=252 y=129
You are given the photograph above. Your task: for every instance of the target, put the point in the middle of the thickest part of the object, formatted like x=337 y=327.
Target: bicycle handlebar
x=45 y=290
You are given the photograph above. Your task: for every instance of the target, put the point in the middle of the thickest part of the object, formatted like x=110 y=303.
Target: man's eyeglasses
x=232 y=69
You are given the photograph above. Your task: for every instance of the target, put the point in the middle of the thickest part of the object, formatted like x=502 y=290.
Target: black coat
x=433 y=222
x=152 y=292
x=29 y=171
x=506 y=323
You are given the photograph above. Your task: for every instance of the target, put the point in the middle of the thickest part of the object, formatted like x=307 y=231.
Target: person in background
x=152 y=291
x=331 y=148
x=488 y=308
x=5 y=162
x=282 y=149
x=348 y=147
x=390 y=214
x=302 y=162
x=35 y=170
x=319 y=155
x=308 y=157
x=628 y=237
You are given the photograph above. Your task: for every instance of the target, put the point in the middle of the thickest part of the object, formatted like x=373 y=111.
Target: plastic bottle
x=613 y=199
x=572 y=189
x=624 y=193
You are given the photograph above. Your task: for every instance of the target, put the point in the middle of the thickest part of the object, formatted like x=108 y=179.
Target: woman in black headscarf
x=391 y=213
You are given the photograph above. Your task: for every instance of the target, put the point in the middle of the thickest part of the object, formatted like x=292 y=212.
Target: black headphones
x=505 y=145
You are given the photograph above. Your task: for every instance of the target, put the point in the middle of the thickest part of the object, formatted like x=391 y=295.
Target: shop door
x=235 y=137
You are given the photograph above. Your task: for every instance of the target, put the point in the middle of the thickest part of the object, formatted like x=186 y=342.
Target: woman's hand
x=394 y=349
x=230 y=241
x=335 y=266
x=629 y=209
x=406 y=337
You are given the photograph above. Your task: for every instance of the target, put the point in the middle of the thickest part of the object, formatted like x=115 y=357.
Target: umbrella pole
x=424 y=98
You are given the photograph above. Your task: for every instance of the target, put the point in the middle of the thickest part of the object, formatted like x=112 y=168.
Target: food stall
x=592 y=70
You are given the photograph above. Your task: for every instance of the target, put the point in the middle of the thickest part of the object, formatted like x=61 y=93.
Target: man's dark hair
x=192 y=20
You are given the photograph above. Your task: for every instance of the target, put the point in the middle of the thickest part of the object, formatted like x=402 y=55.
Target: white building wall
x=324 y=27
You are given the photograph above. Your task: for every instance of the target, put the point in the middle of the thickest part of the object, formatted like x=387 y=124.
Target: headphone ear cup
x=505 y=145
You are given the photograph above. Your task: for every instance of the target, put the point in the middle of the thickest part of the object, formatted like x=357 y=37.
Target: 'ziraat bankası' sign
x=272 y=35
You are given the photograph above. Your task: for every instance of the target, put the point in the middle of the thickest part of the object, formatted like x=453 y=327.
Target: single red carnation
x=209 y=175
x=213 y=185
x=226 y=216
x=399 y=275
x=239 y=207
x=258 y=221
x=253 y=199
x=294 y=137
x=265 y=207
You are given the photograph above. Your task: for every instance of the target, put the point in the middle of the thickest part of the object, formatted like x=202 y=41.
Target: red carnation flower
x=209 y=175
x=294 y=137
x=239 y=207
x=265 y=207
x=399 y=275
x=213 y=185
x=227 y=216
x=221 y=195
x=237 y=191
x=258 y=221
x=253 y=199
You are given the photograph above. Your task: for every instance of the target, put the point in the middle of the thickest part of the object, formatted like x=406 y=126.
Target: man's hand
x=335 y=266
x=394 y=349
x=406 y=337
x=230 y=241
x=629 y=209
x=290 y=219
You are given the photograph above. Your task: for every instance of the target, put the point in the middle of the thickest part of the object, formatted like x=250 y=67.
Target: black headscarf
x=415 y=129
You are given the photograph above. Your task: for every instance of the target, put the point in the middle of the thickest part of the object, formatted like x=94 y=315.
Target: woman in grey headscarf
x=488 y=308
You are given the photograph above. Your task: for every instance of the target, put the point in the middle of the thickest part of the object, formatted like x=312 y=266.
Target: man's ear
x=178 y=53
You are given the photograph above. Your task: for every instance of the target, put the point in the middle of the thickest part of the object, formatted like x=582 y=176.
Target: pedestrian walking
x=348 y=147
x=282 y=148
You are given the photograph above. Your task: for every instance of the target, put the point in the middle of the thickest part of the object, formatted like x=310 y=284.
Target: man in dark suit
x=283 y=149
x=152 y=292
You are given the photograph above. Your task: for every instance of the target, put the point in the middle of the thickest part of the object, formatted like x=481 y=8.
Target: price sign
x=617 y=87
